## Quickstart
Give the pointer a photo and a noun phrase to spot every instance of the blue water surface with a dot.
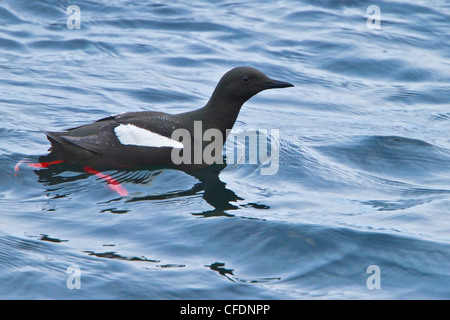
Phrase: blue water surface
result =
(364, 157)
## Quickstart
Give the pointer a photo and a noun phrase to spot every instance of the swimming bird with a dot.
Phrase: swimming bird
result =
(145, 138)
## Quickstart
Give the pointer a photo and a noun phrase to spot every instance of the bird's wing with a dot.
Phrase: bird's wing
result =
(88, 137)
(100, 135)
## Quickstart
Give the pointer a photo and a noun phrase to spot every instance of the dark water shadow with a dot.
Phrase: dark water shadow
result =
(209, 186)
(219, 267)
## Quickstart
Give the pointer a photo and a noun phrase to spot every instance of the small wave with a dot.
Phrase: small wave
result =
(394, 156)
(11, 45)
(81, 44)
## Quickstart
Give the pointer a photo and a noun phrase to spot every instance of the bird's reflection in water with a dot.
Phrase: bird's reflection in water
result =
(209, 186)
(213, 191)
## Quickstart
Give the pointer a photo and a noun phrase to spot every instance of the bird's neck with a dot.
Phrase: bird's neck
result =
(223, 112)
(215, 114)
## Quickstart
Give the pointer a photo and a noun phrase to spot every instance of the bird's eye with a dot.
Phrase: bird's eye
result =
(245, 79)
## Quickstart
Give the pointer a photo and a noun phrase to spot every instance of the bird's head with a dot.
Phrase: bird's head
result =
(242, 83)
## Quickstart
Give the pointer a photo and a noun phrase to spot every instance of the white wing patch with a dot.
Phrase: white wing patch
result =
(129, 134)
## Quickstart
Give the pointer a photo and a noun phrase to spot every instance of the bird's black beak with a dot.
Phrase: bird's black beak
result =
(273, 84)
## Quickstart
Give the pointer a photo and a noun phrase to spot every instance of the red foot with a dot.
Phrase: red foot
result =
(45, 164)
(17, 166)
(36, 165)
(113, 184)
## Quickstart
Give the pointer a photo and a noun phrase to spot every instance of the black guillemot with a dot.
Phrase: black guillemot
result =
(146, 138)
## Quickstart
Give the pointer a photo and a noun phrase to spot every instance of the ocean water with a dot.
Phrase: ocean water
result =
(364, 151)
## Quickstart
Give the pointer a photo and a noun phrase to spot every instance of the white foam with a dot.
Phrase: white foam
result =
(129, 134)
